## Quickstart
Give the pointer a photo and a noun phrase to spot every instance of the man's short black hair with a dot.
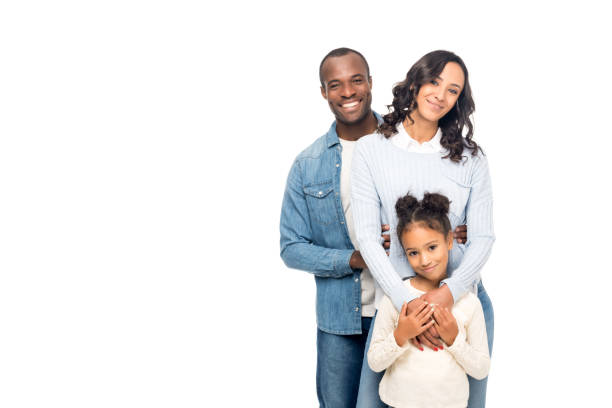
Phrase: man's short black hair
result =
(339, 52)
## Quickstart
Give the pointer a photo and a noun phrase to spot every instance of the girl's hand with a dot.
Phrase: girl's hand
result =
(446, 325)
(413, 324)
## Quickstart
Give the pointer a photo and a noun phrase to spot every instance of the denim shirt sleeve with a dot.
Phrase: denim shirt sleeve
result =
(298, 250)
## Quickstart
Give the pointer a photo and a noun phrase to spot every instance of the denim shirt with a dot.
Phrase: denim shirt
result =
(314, 236)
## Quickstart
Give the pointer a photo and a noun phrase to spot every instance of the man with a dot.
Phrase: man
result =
(317, 232)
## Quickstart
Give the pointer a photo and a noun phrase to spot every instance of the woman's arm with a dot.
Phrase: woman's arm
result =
(479, 217)
(366, 213)
(470, 347)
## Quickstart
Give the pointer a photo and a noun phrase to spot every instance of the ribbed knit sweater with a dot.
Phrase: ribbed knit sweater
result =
(382, 173)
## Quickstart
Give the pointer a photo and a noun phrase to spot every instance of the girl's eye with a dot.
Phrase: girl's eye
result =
(434, 82)
(412, 253)
(454, 91)
(432, 247)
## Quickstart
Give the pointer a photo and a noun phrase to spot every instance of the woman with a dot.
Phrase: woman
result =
(421, 147)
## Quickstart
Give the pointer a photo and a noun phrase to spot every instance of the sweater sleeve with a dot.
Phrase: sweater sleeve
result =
(366, 213)
(470, 348)
(480, 236)
(383, 349)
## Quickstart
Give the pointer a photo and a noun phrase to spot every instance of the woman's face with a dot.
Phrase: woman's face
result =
(436, 98)
(427, 251)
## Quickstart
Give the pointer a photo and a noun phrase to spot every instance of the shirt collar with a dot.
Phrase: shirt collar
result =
(332, 135)
(403, 140)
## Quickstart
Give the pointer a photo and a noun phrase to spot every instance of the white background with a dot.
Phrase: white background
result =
(143, 156)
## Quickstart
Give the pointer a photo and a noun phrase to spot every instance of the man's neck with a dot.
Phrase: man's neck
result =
(356, 130)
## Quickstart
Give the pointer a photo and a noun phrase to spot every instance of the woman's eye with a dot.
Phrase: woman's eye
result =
(434, 82)
(454, 91)
(412, 253)
(432, 247)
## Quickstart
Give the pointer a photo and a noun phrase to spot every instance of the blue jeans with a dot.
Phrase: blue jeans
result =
(339, 360)
(368, 384)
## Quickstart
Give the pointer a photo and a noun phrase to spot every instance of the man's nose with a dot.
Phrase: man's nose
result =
(348, 91)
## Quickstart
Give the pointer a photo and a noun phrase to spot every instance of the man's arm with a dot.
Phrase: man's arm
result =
(297, 248)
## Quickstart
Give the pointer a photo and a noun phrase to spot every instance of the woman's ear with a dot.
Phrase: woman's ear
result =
(449, 240)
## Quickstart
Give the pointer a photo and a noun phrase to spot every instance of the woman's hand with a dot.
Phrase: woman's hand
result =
(446, 325)
(413, 324)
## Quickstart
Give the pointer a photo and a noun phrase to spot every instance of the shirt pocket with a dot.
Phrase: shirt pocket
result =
(321, 203)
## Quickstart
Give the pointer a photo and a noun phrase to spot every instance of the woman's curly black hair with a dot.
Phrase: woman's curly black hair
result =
(432, 211)
(425, 70)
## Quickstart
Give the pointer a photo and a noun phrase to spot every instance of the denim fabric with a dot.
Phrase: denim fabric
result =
(478, 388)
(314, 236)
(368, 385)
(339, 359)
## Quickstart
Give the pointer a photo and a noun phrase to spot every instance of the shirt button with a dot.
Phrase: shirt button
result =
(336, 194)
(342, 222)
(356, 309)
(356, 279)
(320, 193)
(337, 165)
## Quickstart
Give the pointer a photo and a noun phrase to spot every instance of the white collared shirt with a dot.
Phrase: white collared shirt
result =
(403, 140)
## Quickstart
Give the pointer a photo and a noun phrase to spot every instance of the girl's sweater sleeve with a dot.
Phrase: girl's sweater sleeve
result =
(366, 206)
(480, 237)
(383, 349)
(470, 348)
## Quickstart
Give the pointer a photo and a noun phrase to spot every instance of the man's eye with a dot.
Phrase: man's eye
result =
(357, 81)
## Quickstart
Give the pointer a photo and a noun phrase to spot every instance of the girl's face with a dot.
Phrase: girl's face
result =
(436, 98)
(427, 251)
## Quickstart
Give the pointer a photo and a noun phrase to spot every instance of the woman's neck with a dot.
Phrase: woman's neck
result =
(421, 130)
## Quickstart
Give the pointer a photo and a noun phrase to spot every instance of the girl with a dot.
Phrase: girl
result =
(425, 144)
(431, 378)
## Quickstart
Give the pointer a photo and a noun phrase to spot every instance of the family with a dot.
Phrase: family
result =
(393, 216)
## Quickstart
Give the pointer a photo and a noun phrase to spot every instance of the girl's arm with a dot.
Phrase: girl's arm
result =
(470, 347)
(479, 219)
(383, 349)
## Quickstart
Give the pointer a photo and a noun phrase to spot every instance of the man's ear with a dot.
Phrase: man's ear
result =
(323, 93)
(370, 81)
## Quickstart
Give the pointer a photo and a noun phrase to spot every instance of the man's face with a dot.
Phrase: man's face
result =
(347, 88)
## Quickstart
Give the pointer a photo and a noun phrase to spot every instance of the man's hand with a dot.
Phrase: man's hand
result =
(386, 238)
(356, 261)
(460, 234)
(411, 324)
(446, 325)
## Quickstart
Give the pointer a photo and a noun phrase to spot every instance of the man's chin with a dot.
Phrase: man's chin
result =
(352, 120)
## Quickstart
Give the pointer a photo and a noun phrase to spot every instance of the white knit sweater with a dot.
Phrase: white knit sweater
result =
(430, 379)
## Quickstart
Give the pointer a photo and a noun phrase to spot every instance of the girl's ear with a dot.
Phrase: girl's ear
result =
(449, 240)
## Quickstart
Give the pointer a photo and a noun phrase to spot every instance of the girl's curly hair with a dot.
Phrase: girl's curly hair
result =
(425, 70)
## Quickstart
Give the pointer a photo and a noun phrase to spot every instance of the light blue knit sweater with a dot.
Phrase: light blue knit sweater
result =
(381, 173)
